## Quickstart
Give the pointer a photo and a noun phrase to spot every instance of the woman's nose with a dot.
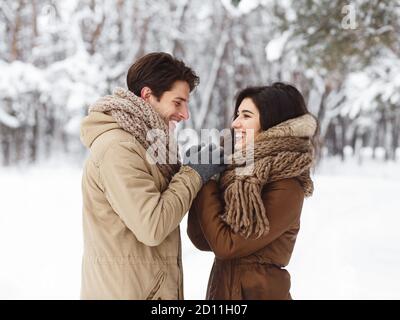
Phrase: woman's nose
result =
(236, 123)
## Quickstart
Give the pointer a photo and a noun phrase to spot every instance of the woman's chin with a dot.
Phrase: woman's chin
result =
(240, 145)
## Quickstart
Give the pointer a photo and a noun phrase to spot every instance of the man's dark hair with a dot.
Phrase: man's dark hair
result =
(159, 71)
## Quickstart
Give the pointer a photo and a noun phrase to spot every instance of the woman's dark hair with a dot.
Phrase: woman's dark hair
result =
(276, 103)
(159, 71)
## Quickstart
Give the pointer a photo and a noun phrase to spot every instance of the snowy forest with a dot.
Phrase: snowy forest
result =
(57, 57)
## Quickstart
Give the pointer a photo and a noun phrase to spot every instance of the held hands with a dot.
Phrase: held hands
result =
(207, 160)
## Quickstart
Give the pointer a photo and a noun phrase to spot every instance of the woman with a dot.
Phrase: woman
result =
(250, 222)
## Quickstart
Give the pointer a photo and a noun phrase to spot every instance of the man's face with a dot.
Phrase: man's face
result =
(173, 104)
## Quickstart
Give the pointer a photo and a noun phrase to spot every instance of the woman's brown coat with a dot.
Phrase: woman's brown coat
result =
(248, 268)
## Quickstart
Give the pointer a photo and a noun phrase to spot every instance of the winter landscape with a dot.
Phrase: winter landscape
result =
(348, 246)
(58, 57)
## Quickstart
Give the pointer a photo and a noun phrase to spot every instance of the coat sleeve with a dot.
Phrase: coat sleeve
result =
(133, 195)
(195, 233)
(283, 201)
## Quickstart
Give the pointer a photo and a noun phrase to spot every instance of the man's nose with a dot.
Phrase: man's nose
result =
(184, 112)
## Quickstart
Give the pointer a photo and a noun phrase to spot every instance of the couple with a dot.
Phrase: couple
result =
(132, 208)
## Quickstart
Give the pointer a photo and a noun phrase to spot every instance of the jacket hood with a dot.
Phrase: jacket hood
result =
(94, 125)
(302, 126)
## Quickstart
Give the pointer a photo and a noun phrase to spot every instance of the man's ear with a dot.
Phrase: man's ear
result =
(145, 93)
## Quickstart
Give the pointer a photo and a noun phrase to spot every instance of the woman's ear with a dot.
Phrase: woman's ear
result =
(145, 93)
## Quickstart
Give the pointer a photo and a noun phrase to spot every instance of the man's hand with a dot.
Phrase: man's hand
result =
(207, 160)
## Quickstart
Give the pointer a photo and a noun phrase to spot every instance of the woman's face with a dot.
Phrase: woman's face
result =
(246, 124)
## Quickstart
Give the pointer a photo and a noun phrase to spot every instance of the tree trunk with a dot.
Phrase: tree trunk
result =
(343, 127)
(212, 78)
(395, 134)
(15, 50)
(35, 138)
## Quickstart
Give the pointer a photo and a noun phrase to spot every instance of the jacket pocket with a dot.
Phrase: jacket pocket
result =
(154, 289)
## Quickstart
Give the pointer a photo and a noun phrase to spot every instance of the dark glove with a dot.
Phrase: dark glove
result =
(207, 160)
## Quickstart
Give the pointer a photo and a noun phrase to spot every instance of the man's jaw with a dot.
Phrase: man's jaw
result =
(172, 123)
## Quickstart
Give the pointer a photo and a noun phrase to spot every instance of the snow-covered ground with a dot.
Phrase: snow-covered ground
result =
(348, 246)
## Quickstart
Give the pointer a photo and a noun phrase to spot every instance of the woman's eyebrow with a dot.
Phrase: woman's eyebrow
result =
(243, 111)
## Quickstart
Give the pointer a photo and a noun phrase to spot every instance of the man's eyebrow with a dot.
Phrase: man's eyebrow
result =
(180, 98)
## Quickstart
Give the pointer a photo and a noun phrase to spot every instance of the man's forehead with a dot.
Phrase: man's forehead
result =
(180, 91)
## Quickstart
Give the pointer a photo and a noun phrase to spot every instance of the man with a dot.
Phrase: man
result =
(132, 207)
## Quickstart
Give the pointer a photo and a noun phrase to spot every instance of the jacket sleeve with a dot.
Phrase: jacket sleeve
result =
(195, 233)
(133, 195)
(283, 201)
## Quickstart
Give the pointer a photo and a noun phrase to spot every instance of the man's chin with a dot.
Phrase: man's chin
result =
(172, 125)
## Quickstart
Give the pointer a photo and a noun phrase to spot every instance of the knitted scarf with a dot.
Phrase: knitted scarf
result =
(283, 151)
(137, 117)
